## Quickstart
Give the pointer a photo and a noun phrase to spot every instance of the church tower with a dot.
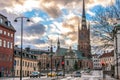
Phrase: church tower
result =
(58, 44)
(84, 35)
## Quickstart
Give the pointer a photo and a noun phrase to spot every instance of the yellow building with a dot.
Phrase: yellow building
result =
(29, 62)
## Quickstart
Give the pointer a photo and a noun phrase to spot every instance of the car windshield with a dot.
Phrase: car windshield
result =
(77, 72)
(35, 72)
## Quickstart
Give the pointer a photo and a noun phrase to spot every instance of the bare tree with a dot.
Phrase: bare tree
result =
(104, 20)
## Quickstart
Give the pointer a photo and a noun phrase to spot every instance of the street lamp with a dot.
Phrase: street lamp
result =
(51, 54)
(116, 32)
(28, 20)
(39, 66)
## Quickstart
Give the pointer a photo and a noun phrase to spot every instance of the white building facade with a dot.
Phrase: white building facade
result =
(96, 61)
(108, 60)
(70, 59)
(117, 50)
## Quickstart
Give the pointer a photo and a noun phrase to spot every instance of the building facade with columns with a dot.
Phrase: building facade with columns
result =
(116, 33)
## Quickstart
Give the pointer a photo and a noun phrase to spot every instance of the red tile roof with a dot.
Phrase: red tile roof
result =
(109, 54)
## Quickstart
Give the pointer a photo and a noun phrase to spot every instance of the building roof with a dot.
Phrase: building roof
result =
(64, 51)
(25, 54)
(37, 51)
(95, 54)
(6, 22)
(109, 54)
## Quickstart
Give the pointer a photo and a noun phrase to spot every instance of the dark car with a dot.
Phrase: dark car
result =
(76, 74)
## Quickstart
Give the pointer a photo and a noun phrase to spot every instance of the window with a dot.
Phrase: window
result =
(8, 34)
(0, 42)
(17, 72)
(11, 46)
(8, 23)
(11, 35)
(4, 43)
(10, 58)
(4, 32)
(8, 44)
(0, 31)
(17, 62)
(23, 63)
(1, 20)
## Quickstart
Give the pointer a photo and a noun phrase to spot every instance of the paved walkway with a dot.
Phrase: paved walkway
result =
(109, 78)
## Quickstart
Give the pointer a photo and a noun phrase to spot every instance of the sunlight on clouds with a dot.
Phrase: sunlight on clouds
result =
(53, 37)
(91, 13)
(68, 42)
(53, 9)
(41, 45)
(17, 43)
(92, 3)
(28, 38)
(26, 6)
(36, 19)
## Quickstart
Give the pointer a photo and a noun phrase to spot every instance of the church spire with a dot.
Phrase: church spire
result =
(58, 43)
(83, 17)
(78, 33)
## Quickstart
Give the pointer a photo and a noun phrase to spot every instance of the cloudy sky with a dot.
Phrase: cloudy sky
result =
(50, 19)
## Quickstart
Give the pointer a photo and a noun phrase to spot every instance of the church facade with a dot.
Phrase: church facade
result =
(83, 53)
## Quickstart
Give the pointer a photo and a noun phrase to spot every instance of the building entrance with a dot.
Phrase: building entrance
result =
(0, 74)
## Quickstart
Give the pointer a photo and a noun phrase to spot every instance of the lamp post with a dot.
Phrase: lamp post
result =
(116, 32)
(39, 66)
(51, 54)
(16, 19)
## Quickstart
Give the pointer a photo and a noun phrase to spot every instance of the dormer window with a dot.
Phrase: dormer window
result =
(1, 20)
(8, 23)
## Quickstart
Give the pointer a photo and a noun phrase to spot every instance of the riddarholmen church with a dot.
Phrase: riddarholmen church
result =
(83, 54)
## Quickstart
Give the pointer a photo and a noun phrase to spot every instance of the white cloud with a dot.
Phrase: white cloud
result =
(91, 13)
(36, 19)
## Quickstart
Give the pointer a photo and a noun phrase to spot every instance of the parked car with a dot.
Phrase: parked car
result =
(53, 74)
(87, 71)
(36, 74)
(76, 74)
(60, 74)
(42, 74)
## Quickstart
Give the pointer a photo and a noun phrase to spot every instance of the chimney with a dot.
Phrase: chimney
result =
(27, 49)
(16, 46)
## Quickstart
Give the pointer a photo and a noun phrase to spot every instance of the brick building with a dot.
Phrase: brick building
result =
(6, 46)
